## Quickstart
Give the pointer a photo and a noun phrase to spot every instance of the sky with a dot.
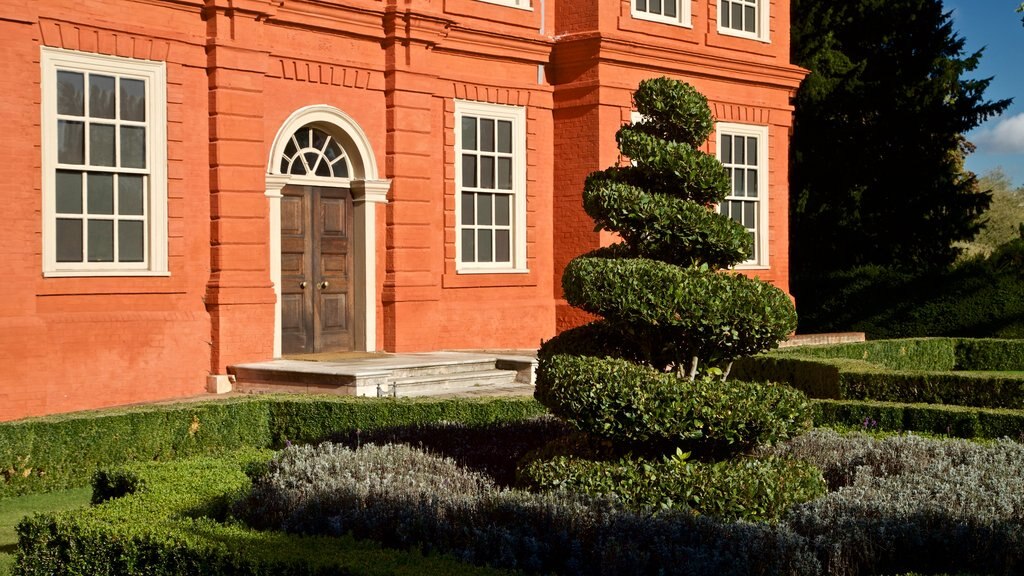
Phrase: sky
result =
(996, 26)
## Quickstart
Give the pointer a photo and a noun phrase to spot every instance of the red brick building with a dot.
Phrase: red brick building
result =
(198, 183)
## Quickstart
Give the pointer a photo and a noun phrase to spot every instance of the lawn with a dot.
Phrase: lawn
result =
(12, 510)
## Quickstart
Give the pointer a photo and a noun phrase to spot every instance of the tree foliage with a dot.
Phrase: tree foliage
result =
(877, 153)
(1004, 217)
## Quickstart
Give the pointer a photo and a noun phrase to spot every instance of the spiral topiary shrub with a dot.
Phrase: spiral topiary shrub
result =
(650, 377)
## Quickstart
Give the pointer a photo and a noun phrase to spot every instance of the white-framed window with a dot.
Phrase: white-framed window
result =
(743, 150)
(104, 146)
(745, 18)
(675, 12)
(490, 185)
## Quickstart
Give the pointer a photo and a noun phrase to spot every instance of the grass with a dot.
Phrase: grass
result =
(12, 510)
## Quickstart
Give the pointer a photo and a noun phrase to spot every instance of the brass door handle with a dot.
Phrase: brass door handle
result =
(302, 284)
(324, 284)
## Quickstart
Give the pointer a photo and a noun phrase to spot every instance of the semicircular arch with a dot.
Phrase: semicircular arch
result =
(335, 123)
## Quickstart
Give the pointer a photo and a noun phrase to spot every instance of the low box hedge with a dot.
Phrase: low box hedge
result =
(168, 520)
(868, 371)
(57, 452)
(957, 421)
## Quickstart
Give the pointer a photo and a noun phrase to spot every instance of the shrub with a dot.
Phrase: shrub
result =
(907, 503)
(820, 374)
(742, 488)
(652, 412)
(666, 304)
(989, 354)
(56, 452)
(957, 421)
(168, 522)
(427, 502)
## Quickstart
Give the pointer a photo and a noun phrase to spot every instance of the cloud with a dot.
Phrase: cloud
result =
(1006, 137)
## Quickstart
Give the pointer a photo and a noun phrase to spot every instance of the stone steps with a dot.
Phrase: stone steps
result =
(424, 374)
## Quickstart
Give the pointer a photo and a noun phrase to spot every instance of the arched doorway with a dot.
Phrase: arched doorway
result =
(323, 186)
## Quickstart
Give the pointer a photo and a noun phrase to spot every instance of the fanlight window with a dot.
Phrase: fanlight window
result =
(313, 152)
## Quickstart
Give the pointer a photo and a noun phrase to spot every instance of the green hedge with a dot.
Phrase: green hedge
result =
(933, 354)
(169, 521)
(958, 421)
(56, 452)
(913, 370)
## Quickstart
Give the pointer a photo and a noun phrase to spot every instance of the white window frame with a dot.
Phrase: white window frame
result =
(517, 115)
(682, 18)
(761, 20)
(760, 259)
(519, 4)
(154, 198)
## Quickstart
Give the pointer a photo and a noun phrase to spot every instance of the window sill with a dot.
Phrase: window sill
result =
(488, 278)
(104, 273)
(646, 17)
(526, 7)
(744, 35)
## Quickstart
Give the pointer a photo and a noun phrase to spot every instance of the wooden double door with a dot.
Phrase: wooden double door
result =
(316, 270)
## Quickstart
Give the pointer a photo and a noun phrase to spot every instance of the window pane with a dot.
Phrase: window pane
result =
(740, 149)
(70, 94)
(487, 172)
(483, 209)
(101, 96)
(468, 133)
(302, 137)
(469, 170)
(485, 250)
(101, 241)
(340, 168)
(310, 158)
(749, 214)
(319, 138)
(130, 244)
(738, 182)
(504, 136)
(70, 142)
(750, 20)
(752, 183)
(726, 152)
(101, 194)
(129, 195)
(501, 209)
(502, 246)
(753, 246)
(468, 245)
(655, 6)
(723, 14)
(323, 168)
(751, 150)
(133, 100)
(69, 192)
(487, 134)
(505, 173)
(332, 151)
(670, 8)
(737, 17)
(69, 240)
(736, 211)
(641, 5)
(467, 208)
(101, 145)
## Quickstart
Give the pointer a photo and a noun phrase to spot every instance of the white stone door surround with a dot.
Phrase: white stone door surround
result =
(368, 190)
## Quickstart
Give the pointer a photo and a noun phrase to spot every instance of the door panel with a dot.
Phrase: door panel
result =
(334, 224)
(316, 264)
(296, 264)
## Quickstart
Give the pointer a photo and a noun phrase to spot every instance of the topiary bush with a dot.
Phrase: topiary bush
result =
(650, 377)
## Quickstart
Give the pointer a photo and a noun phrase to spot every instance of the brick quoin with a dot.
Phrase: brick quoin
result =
(237, 71)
